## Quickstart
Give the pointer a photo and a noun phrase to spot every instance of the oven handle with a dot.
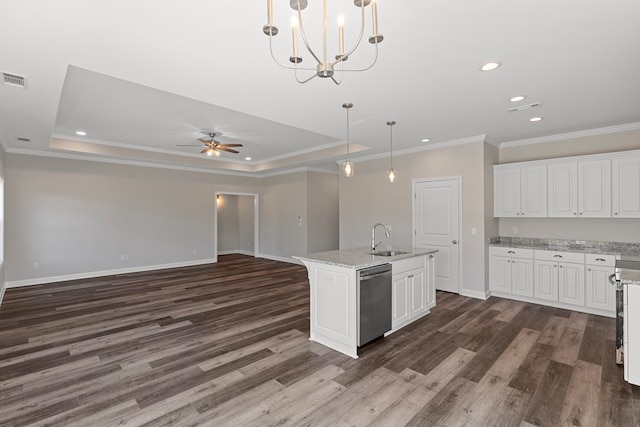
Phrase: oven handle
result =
(612, 279)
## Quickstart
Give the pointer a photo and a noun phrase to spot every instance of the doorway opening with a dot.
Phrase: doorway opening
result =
(236, 220)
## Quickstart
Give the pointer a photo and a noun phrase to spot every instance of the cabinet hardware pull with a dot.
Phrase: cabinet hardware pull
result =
(510, 252)
(615, 213)
(430, 256)
(575, 213)
(580, 213)
(558, 256)
(561, 267)
(600, 259)
(589, 269)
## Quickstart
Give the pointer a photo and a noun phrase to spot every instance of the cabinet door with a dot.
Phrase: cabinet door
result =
(429, 277)
(563, 190)
(599, 292)
(626, 187)
(522, 277)
(594, 189)
(545, 280)
(506, 192)
(571, 283)
(500, 274)
(533, 191)
(400, 300)
(418, 300)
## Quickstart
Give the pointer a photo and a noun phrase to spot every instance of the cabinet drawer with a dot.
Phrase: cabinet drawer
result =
(606, 260)
(512, 252)
(407, 264)
(559, 256)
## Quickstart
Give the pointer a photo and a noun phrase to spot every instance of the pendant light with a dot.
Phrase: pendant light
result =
(347, 167)
(392, 173)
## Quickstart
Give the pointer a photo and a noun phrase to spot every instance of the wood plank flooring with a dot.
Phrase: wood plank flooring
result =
(227, 345)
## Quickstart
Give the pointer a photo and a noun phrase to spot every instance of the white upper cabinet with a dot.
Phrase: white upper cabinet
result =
(563, 190)
(591, 186)
(520, 192)
(594, 189)
(626, 187)
(580, 189)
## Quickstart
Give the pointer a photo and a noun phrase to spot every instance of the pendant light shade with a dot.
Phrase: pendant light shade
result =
(347, 167)
(392, 173)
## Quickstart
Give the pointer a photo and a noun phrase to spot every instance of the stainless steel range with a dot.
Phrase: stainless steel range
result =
(618, 280)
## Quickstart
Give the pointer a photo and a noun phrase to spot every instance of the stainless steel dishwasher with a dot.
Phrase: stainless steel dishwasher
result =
(374, 308)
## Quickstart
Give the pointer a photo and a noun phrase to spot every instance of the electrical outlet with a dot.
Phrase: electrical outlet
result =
(515, 230)
(195, 251)
(390, 228)
(122, 258)
(36, 265)
(474, 231)
(127, 257)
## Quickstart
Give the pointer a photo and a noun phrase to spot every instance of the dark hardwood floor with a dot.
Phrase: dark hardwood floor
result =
(227, 345)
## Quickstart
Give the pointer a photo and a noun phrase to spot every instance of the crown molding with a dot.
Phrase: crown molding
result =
(570, 135)
(426, 147)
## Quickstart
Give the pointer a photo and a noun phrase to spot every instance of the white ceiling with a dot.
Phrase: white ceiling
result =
(142, 76)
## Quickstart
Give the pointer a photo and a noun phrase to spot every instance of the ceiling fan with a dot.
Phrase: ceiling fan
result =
(212, 146)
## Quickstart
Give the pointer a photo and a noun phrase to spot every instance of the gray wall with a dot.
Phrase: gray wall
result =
(569, 228)
(73, 217)
(246, 228)
(368, 197)
(323, 212)
(228, 223)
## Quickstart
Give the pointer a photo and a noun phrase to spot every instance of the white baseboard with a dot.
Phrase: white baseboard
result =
(239, 251)
(475, 294)
(279, 258)
(2, 289)
(556, 304)
(91, 274)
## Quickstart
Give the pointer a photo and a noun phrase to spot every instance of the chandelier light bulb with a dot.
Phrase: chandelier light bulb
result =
(392, 176)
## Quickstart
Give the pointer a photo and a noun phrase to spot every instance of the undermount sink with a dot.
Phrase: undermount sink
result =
(388, 253)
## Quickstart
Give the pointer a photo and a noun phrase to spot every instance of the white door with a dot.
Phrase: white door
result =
(436, 220)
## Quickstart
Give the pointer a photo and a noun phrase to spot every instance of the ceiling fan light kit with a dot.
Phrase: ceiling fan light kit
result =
(212, 147)
(324, 68)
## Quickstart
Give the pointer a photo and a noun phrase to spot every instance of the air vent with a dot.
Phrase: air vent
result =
(14, 80)
(23, 139)
(525, 107)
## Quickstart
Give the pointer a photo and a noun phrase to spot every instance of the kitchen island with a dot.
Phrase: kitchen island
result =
(334, 292)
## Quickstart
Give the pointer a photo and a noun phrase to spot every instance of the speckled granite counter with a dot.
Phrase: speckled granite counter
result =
(630, 251)
(358, 258)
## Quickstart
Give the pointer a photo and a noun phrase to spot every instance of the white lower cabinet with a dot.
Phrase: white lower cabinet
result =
(413, 292)
(561, 279)
(632, 334)
(600, 294)
(512, 271)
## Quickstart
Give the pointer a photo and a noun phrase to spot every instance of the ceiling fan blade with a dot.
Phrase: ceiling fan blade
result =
(231, 145)
(205, 150)
(229, 150)
(188, 145)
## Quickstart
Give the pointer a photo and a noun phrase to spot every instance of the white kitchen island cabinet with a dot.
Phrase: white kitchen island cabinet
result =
(632, 333)
(334, 292)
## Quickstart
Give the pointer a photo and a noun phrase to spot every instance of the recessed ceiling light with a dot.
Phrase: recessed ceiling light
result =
(81, 132)
(490, 66)
(247, 158)
(535, 119)
(425, 140)
(518, 98)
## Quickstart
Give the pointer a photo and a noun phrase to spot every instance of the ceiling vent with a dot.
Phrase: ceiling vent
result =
(23, 139)
(525, 107)
(14, 80)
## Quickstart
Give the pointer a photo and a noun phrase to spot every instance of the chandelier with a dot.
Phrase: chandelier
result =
(325, 67)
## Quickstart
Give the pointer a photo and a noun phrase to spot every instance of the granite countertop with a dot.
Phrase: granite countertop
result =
(358, 258)
(629, 251)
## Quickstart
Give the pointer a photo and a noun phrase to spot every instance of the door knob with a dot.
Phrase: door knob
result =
(455, 242)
